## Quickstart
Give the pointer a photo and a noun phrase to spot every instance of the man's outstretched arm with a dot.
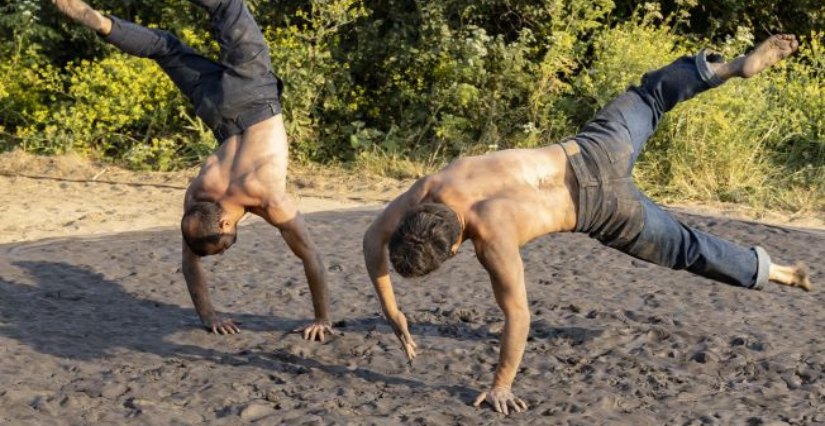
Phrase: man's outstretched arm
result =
(198, 290)
(285, 216)
(378, 266)
(375, 257)
(503, 262)
(297, 238)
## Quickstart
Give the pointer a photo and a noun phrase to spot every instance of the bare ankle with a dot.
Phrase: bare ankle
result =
(728, 70)
(105, 26)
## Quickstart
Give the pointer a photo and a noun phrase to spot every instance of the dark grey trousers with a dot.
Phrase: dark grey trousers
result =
(229, 95)
(614, 211)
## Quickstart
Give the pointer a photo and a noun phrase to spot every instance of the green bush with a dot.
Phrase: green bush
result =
(406, 81)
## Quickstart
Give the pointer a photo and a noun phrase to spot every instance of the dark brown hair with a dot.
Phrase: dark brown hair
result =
(206, 230)
(423, 239)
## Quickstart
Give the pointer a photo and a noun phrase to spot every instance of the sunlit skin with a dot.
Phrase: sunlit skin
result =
(504, 200)
(246, 174)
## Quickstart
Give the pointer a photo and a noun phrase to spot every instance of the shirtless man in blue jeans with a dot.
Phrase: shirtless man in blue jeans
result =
(238, 97)
(503, 200)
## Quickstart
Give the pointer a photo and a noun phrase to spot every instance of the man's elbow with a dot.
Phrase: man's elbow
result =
(369, 237)
(370, 244)
(519, 315)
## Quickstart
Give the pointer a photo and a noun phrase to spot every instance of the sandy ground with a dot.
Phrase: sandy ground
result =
(96, 326)
(59, 197)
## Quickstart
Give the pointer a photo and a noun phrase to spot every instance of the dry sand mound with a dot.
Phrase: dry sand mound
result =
(101, 331)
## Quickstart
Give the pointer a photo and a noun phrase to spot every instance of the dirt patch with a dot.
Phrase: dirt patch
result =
(64, 196)
(101, 331)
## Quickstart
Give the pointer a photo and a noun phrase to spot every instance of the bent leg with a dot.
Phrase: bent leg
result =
(667, 242)
(631, 118)
(181, 63)
(243, 47)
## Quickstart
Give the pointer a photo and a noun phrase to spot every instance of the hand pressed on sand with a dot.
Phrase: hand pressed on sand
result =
(501, 399)
(219, 326)
(316, 329)
(398, 322)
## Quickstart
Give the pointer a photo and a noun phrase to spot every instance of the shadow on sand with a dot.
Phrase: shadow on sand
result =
(75, 313)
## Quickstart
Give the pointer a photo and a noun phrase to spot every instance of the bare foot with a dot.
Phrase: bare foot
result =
(767, 54)
(83, 14)
(801, 277)
(791, 276)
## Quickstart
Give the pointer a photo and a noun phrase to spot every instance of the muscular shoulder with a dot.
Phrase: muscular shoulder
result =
(386, 222)
(208, 185)
(505, 219)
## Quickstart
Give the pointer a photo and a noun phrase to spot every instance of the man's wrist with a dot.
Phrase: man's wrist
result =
(390, 314)
(208, 319)
(499, 384)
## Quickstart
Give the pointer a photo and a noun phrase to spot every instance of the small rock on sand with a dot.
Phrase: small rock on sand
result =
(113, 390)
(255, 411)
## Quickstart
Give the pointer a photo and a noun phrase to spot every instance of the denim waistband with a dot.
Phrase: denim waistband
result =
(245, 120)
(585, 180)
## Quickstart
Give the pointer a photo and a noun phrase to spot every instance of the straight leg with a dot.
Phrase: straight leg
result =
(667, 242)
(248, 92)
(626, 123)
(635, 225)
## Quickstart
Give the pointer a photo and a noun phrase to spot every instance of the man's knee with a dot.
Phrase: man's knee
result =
(166, 44)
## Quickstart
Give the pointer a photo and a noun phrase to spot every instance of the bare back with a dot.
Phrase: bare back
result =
(533, 189)
(248, 170)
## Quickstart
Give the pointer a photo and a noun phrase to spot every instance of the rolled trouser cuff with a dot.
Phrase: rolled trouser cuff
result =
(706, 72)
(124, 37)
(117, 36)
(763, 266)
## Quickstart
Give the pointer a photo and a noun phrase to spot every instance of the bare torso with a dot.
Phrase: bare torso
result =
(248, 171)
(535, 189)
(503, 200)
(248, 174)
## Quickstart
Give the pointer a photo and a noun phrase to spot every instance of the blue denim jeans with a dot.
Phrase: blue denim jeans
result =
(229, 95)
(611, 208)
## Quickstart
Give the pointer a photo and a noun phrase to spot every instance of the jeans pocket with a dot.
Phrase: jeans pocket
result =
(631, 220)
(620, 155)
(627, 217)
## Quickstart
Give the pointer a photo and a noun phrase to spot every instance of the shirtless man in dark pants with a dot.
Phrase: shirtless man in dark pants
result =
(503, 200)
(238, 98)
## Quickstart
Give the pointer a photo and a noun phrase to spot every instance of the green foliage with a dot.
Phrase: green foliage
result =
(758, 141)
(318, 87)
(420, 82)
(720, 18)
